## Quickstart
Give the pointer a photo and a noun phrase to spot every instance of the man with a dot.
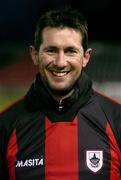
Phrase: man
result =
(62, 129)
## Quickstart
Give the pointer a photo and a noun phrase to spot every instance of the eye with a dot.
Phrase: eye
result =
(50, 51)
(71, 51)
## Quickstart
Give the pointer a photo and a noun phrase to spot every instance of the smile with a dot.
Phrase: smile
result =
(59, 74)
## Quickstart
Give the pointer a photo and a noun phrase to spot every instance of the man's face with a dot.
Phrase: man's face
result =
(61, 58)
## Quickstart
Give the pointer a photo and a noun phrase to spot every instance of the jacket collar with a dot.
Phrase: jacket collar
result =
(39, 97)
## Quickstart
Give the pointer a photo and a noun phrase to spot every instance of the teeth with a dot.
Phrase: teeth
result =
(59, 74)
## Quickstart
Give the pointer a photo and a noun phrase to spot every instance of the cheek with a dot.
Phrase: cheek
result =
(78, 63)
(44, 60)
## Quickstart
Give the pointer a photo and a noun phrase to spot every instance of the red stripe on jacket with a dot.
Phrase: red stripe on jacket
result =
(115, 155)
(61, 150)
(12, 150)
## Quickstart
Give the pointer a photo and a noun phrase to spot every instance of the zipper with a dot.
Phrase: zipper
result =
(60, 107)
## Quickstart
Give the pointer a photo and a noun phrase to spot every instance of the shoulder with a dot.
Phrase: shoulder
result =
(9, 115)
(111, 108)
(107, 102)
(112, 111)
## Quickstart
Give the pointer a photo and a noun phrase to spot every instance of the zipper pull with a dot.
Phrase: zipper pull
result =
(60, 105)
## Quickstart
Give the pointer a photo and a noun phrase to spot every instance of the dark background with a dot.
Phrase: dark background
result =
(18, 18)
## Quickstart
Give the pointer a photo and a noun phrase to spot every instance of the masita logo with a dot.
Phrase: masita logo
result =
(29, 162)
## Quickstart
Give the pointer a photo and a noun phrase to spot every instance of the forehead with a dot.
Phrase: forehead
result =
(61, 35)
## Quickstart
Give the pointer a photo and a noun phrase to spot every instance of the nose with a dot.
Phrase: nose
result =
(60, 60)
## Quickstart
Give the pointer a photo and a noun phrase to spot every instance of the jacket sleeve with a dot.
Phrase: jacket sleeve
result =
(3, 165)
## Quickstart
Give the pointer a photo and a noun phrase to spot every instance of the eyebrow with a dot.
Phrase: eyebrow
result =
(66, 48)
(50, 47)
(72, 47)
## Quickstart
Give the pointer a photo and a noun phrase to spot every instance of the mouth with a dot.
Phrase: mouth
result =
(59, 74)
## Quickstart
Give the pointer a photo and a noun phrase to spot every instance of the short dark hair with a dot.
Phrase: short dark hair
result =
(67, 17)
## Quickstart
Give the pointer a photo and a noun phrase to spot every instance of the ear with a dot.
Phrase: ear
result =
(86, 58)
(34, 55)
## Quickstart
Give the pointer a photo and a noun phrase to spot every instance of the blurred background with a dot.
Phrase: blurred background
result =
(17, 25)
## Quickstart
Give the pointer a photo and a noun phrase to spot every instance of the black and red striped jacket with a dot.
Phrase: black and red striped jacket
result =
(76, 139)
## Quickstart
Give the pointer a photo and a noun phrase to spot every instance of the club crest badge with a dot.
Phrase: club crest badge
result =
(94, 160)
